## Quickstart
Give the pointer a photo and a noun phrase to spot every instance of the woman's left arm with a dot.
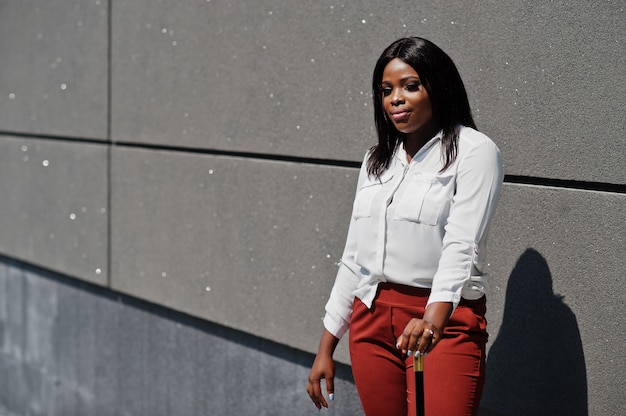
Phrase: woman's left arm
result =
(478, 182)
(477, 188)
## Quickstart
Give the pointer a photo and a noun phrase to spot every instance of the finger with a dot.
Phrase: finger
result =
(330, 388)
(320, 397)
(427, 340)
(401, 343)
(322, 400)
(415, 339)
(434, 341)
(315, 393)
(404, 341)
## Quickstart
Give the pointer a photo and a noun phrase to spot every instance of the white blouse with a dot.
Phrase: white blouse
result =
(420, 227)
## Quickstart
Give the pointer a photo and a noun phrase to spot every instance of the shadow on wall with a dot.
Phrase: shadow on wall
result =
(536, 365)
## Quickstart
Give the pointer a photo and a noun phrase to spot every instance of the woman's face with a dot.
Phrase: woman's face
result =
(406, 101)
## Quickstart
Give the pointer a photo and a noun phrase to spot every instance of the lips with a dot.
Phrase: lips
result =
(400, 115)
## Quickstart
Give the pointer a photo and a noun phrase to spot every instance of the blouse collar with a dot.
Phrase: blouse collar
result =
(401, 154)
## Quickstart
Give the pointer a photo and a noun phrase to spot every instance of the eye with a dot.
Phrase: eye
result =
(386, 91)
(413, 86)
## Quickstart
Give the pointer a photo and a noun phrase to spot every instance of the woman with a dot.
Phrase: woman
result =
(411, 278)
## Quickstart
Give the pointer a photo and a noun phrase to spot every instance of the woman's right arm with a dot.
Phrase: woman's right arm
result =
(338, 312)
(336, 323)
(339, 305)
(323, 368)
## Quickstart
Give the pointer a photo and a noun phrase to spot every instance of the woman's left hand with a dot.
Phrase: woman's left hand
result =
(418, 335)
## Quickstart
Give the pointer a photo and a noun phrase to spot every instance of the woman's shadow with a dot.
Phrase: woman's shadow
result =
(536, 365)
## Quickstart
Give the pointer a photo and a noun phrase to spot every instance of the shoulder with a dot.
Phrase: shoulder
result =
(477, 152)
(471, 140)
(363, 171)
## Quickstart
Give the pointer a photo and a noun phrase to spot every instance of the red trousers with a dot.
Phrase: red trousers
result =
(454, 372)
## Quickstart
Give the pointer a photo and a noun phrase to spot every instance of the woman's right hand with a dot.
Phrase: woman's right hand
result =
(323, 368)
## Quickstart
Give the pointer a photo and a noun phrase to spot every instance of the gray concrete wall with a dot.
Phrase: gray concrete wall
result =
(176, 180)
(72, 348)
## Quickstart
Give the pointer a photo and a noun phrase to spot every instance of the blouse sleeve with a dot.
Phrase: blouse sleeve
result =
(479, 179)
(339, 305)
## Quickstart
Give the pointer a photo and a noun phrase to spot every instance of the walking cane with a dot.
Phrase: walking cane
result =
(418, 368)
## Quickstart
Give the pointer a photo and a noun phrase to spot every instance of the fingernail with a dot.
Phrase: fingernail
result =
(331, 396)
(409, 353)
(398, 346)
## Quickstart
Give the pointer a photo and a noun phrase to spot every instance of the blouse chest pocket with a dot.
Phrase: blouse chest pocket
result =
(367, 193)
(425, 198)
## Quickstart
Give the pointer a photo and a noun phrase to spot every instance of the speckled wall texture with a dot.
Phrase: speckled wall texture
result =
(198, 159)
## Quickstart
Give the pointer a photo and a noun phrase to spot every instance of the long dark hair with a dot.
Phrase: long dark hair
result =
(447, 95)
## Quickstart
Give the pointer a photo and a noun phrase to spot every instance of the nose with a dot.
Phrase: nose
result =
(396, 97)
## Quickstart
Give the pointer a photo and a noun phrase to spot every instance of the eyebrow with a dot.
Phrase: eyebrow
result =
(405, 79)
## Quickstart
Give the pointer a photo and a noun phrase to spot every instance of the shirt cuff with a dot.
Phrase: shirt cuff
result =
(452, 297)
(337, 327)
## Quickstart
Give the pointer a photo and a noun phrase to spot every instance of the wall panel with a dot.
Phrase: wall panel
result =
(278, 78)
(540, 76)
(558, 265)
(267, 77)
(54, 205)
(53, 77)
(68, 348)
(246, 243)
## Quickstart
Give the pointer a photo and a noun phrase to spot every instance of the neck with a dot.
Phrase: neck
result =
(413, 142)
(412, 146)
